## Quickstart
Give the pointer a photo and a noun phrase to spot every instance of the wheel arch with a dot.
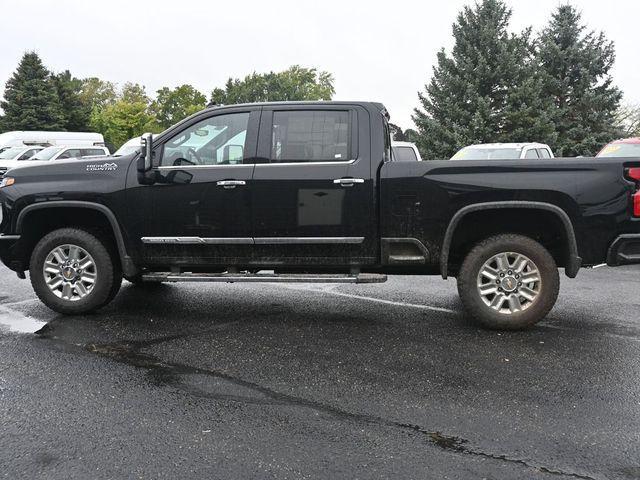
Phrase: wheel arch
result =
(574, 261)
(128, 266)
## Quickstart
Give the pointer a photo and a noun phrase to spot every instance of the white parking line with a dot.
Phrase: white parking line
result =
(330, 290)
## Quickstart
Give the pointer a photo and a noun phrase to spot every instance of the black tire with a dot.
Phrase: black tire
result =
(535, 310)
(106, 279)
(117, 277)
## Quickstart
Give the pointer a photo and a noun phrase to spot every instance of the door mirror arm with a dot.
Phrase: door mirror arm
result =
(146, 172)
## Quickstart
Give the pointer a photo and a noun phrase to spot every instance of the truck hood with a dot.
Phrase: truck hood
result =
(79, 167)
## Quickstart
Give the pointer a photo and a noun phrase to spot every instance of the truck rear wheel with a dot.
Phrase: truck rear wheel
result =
(72, 271)
(508, 282)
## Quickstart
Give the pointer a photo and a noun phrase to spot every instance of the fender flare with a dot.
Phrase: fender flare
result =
(128, 267)
(574, 261)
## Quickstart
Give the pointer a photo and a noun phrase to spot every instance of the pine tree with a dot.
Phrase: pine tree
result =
(487, 90)
(30, 98)
(75, 110)
(576, 66)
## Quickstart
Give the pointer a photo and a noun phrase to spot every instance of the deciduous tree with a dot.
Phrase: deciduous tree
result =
(172, 105)
(295, 83)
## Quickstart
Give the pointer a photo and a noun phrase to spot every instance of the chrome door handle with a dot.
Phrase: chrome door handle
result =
(230, 183)
(348, 182)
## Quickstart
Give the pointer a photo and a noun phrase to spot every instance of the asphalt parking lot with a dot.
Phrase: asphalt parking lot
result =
(309, 381)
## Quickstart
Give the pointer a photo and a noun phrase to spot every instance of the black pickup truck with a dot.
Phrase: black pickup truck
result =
(308, 192)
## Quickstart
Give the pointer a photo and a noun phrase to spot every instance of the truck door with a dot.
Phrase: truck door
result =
(312, 192)
(199, 210)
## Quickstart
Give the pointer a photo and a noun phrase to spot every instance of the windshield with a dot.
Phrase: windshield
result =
(11, 153)
(46, 154)
(126, 150)
(475, 153)
(620, 150)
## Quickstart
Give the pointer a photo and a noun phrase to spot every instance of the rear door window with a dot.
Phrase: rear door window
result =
(310, 136)
(531, 153)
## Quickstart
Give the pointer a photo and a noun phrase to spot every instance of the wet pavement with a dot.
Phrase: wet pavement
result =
(306, 381)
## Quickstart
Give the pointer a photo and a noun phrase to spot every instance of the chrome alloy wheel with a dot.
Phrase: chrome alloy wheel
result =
(70, 272)
(509, 282)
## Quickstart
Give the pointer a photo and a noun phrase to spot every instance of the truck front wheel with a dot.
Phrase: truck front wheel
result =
(72, 271)
(508, 282)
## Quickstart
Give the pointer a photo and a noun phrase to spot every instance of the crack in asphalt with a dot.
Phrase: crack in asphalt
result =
(173, 374)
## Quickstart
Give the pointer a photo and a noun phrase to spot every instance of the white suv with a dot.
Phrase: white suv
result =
(70, 151)
(504, 151)
(9, 157)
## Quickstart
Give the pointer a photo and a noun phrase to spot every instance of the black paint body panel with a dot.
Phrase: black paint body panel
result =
(395, 201)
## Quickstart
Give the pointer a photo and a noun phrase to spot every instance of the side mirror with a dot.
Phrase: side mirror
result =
(146, 175)
(145, 158)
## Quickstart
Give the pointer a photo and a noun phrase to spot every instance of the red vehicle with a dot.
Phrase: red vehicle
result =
(625, 147)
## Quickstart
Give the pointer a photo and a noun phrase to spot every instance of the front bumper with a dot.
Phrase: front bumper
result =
(625, 250)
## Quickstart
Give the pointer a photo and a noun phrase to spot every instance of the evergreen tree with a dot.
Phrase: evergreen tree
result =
(487, 90)
(75, 110)
(576, 66)
(30, 98)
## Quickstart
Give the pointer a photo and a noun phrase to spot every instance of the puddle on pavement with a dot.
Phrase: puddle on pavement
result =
(17, 322)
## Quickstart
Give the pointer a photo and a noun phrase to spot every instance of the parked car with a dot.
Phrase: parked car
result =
(130, 146)
(47, 139)
(70, 151)
(626, 147)
(312, 195)
(405, 152)
(503, 151)
(9, 158)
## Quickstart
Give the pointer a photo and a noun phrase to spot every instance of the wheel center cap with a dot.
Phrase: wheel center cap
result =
(69, 273)
(509, 284)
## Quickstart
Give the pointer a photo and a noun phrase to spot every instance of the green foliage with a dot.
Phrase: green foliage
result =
(97, 93)
(120, 117)
(30, 98)
(399, 135)
(75, 110)
(134, 93)
(122, 120)
(172, 105)
(576, 70)
(487, 90)
(295, 83)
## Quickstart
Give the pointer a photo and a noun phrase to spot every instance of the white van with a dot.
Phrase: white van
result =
(47, 139)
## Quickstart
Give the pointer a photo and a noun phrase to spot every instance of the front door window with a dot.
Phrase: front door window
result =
(218, 140)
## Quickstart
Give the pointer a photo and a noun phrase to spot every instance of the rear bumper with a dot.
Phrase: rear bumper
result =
(625, 250)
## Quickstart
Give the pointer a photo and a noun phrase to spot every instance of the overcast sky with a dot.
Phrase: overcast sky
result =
(382, 51)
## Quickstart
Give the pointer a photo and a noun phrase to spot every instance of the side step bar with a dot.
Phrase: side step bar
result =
(264, 277)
